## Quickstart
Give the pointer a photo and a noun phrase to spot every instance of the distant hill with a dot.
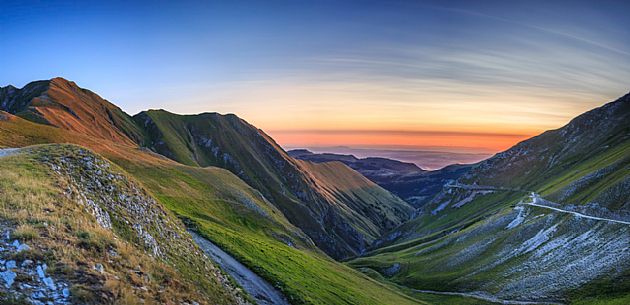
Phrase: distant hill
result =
(373, 165)
(409, 182)
(427, 158)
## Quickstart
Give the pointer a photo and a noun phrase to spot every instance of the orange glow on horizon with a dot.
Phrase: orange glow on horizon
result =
(420, 114)
(486, 143)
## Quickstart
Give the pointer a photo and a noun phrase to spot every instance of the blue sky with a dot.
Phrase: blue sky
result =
(420, 66)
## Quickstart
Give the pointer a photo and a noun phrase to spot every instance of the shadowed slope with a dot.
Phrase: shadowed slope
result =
(530, 163)
(342, 221)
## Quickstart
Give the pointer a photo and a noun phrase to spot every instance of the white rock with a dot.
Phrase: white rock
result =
(23, 247)
(8, 277)
(99, 268)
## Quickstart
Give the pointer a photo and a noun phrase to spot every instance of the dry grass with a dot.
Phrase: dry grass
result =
(62, 234)
(25, 232)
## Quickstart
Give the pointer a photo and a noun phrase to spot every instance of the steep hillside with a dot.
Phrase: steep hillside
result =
(224, 209)
(342, 221)
(405, 180)
(62, 103)
(533, 162)
(548, 219)
(79, 230)
(341, 229)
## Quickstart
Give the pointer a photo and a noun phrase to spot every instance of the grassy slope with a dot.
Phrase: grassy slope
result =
(605, 291)
(329, 204)
(304, 274)
(68, 239)
(425, 271)
(363, 200)
(206, 197)
(226, 141)
(536, 161)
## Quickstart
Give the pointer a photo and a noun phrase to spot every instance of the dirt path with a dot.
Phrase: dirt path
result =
(479, 295)
(257, 287)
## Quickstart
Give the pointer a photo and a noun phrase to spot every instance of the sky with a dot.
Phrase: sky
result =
(472, 76)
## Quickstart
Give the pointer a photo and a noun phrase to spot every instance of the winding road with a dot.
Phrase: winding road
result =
(536, 199)
(262, 291)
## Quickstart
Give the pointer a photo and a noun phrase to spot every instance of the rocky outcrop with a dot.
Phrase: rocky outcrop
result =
(121, 205)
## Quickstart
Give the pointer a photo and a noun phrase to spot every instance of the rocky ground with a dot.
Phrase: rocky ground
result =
(24, 276)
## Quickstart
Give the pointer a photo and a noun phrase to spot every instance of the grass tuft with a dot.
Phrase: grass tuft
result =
(25, 232)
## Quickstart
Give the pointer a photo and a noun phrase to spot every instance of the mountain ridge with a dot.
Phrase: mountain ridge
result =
(224, 209)
(228, 141)
(61, 103)
(341, 228)
(507, 228)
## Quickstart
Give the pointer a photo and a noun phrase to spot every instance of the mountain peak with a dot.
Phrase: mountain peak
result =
(60, 81)
(62, 103)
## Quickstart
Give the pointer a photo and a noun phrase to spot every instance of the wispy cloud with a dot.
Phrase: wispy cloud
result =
(551, 31)
(401, 72)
